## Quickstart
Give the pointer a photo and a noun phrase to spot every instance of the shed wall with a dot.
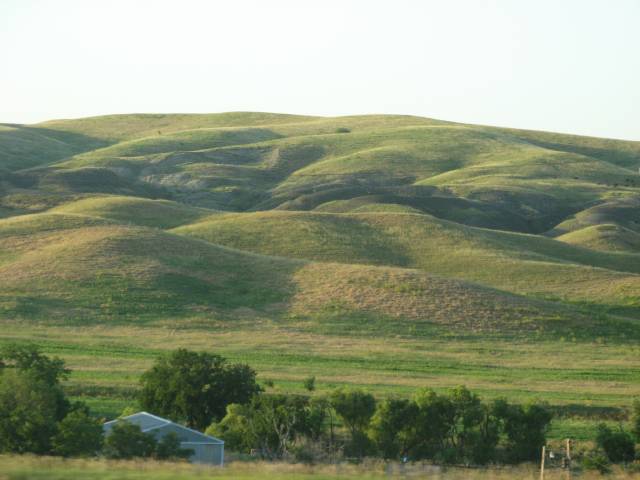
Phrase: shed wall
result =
(208, 453)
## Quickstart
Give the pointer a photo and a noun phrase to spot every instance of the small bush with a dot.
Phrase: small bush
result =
(168, 448)
(78, 435)
(342, 130)
(126, 441)
(618, 445)
(595, 461)
(310, 383)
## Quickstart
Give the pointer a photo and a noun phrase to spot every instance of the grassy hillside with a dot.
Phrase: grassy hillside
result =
(520, 263)
(77, 268)
(392, 252)
(134, 210)
(605, 237)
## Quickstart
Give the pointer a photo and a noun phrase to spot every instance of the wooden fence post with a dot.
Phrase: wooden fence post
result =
(544, 451)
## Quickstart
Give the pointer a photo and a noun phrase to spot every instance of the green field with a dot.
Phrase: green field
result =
(390, 252)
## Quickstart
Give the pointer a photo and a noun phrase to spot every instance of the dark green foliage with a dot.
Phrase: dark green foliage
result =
(270, 424)
(455, 428)
(393, 427)
(618, 445)
(433, 426)
(126, 441)
(359, 445)
(28, 412)
(525, 427)
(35, 415)
(342, 130)
(310, 383)
(50, 371)
(28, 357)
(195, 387)
(596, 461)
(238, 428)
(78, 435)
(486, 437)
(168, 448)
(355, 408)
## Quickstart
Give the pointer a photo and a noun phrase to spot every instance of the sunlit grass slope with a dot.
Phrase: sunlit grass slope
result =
(519, 263)
(605, 237)
(474, 175)
(74, 268)
(136, 211)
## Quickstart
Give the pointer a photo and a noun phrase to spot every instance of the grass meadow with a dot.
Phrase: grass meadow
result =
(47, 468)
(584, 383)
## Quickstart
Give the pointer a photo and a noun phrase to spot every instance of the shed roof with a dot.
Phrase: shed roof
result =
(149, 422)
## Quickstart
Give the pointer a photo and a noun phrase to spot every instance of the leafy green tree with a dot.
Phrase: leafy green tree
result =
(313, 424)
(355, 408)
(168, 448)
(50, 371)
(526, 427)
(196, 387)
(392, 427)
(434, 423)
(484, 442)
(78, 435)
(126, 441)
(617, 445)
(456, 427)
(468, 413)
(29, 357)
(28, 412)
(270, 424)
(238, 429)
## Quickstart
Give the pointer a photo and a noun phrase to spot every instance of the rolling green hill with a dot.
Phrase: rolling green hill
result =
(387, 251)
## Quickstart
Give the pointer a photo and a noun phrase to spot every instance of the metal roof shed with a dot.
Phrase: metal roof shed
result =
(206, 449)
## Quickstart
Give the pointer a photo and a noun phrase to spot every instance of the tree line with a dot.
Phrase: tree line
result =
(206, 392)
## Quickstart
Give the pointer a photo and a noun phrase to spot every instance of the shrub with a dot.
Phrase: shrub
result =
(270, 424)
(126, 441)
(392, 427)
(526, 428)
(595, 461)
(618, 445)
(49, 371)
(168, 448)
(343, 130)
(310, 383)
(28, 411)
(78, 435)
(355, 408)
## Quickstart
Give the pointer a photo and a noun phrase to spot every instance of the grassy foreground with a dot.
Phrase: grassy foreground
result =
(47, 468)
